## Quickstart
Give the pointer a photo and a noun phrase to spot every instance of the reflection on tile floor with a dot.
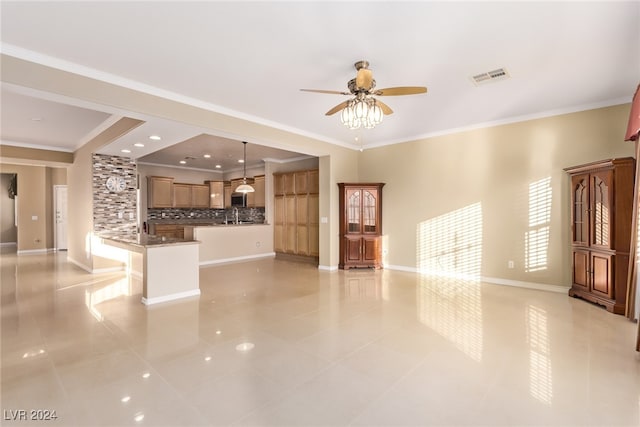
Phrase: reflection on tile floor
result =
(279, 343)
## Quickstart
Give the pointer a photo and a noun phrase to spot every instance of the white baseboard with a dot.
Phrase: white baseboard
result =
(328, 267)
(33, 251)
(8, 244)
(79, 264)
(171, 297)
(491, 280)
(95, 270)
(527, 285)
(401, 268)
(237, 259)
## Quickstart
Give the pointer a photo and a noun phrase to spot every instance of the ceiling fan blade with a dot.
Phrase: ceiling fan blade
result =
(403, 90)
(337, 108)
(364, 78)
(331, 92)
(384, 107)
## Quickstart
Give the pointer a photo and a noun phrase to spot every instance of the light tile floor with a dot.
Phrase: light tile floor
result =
(329, 348)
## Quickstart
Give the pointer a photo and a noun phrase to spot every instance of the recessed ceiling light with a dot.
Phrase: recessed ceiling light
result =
(36, 119)
(240, 161)
(207, 156)
(138, 144)
(155, 137)
(124, 150)
(218, 166)
(183, 162)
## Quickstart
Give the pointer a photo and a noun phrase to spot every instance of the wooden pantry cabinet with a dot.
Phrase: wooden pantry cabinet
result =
(296, 213)
(360, 207)
(601, 218)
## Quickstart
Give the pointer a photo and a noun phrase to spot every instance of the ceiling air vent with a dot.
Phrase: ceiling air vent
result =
(490, 76)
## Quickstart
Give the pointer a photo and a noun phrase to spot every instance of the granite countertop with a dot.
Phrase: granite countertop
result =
(145, 241)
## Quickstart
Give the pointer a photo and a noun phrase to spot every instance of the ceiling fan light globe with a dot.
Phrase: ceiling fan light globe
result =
(347, 115)
(353, 124)
(361, 109)
(375, 114)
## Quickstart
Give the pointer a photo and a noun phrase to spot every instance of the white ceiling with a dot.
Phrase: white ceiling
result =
(250, 59)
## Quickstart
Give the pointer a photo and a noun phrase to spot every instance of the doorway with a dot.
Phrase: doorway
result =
(8, 224)
(60, 217)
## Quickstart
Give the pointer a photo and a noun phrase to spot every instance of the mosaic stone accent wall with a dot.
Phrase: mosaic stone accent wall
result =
(114, 213)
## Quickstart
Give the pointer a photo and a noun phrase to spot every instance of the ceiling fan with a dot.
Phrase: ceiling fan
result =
(364, 109)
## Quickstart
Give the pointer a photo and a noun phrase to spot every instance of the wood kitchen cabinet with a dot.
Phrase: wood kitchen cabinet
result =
(200, 196)
(227, 194)
(296, 213)
(190, 196)
(601, 218)
(181, 195)
(175, 231)
(159, 192)
(256, 199)
(360, 207)
(216, 194)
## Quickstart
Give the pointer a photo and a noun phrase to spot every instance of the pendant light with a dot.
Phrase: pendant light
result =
(244, 187)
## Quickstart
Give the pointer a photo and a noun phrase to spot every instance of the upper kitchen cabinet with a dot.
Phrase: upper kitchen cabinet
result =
(200, 196)
(256, 199)
(159, 192)
(181, 195)
(216, 194)
(190, 196)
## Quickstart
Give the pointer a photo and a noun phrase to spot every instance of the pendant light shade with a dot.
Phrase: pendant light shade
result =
(244, 187)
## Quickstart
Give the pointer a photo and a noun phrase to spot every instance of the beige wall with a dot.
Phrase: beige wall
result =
(468, 201)
(35, 204)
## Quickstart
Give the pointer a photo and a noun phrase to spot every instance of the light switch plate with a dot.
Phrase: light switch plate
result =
(324, 220)
(34, 217)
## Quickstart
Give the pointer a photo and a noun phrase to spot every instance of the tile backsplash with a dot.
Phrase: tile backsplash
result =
(217, 215)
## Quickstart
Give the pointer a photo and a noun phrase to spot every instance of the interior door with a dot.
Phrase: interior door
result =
(60, 217)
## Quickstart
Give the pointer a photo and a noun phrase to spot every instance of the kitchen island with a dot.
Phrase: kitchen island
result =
(226, 243)
(170, 267)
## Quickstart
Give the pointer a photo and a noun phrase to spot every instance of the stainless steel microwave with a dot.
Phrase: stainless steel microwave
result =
(239, 200)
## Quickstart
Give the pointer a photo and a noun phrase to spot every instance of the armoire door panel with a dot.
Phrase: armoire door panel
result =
(601, 274)
(601, 203)
(371, 248)
(581, 268)
(354, 249)
(580, 209)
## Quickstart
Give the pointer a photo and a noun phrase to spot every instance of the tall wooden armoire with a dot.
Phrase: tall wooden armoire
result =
(601, 213)
(360, 225)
